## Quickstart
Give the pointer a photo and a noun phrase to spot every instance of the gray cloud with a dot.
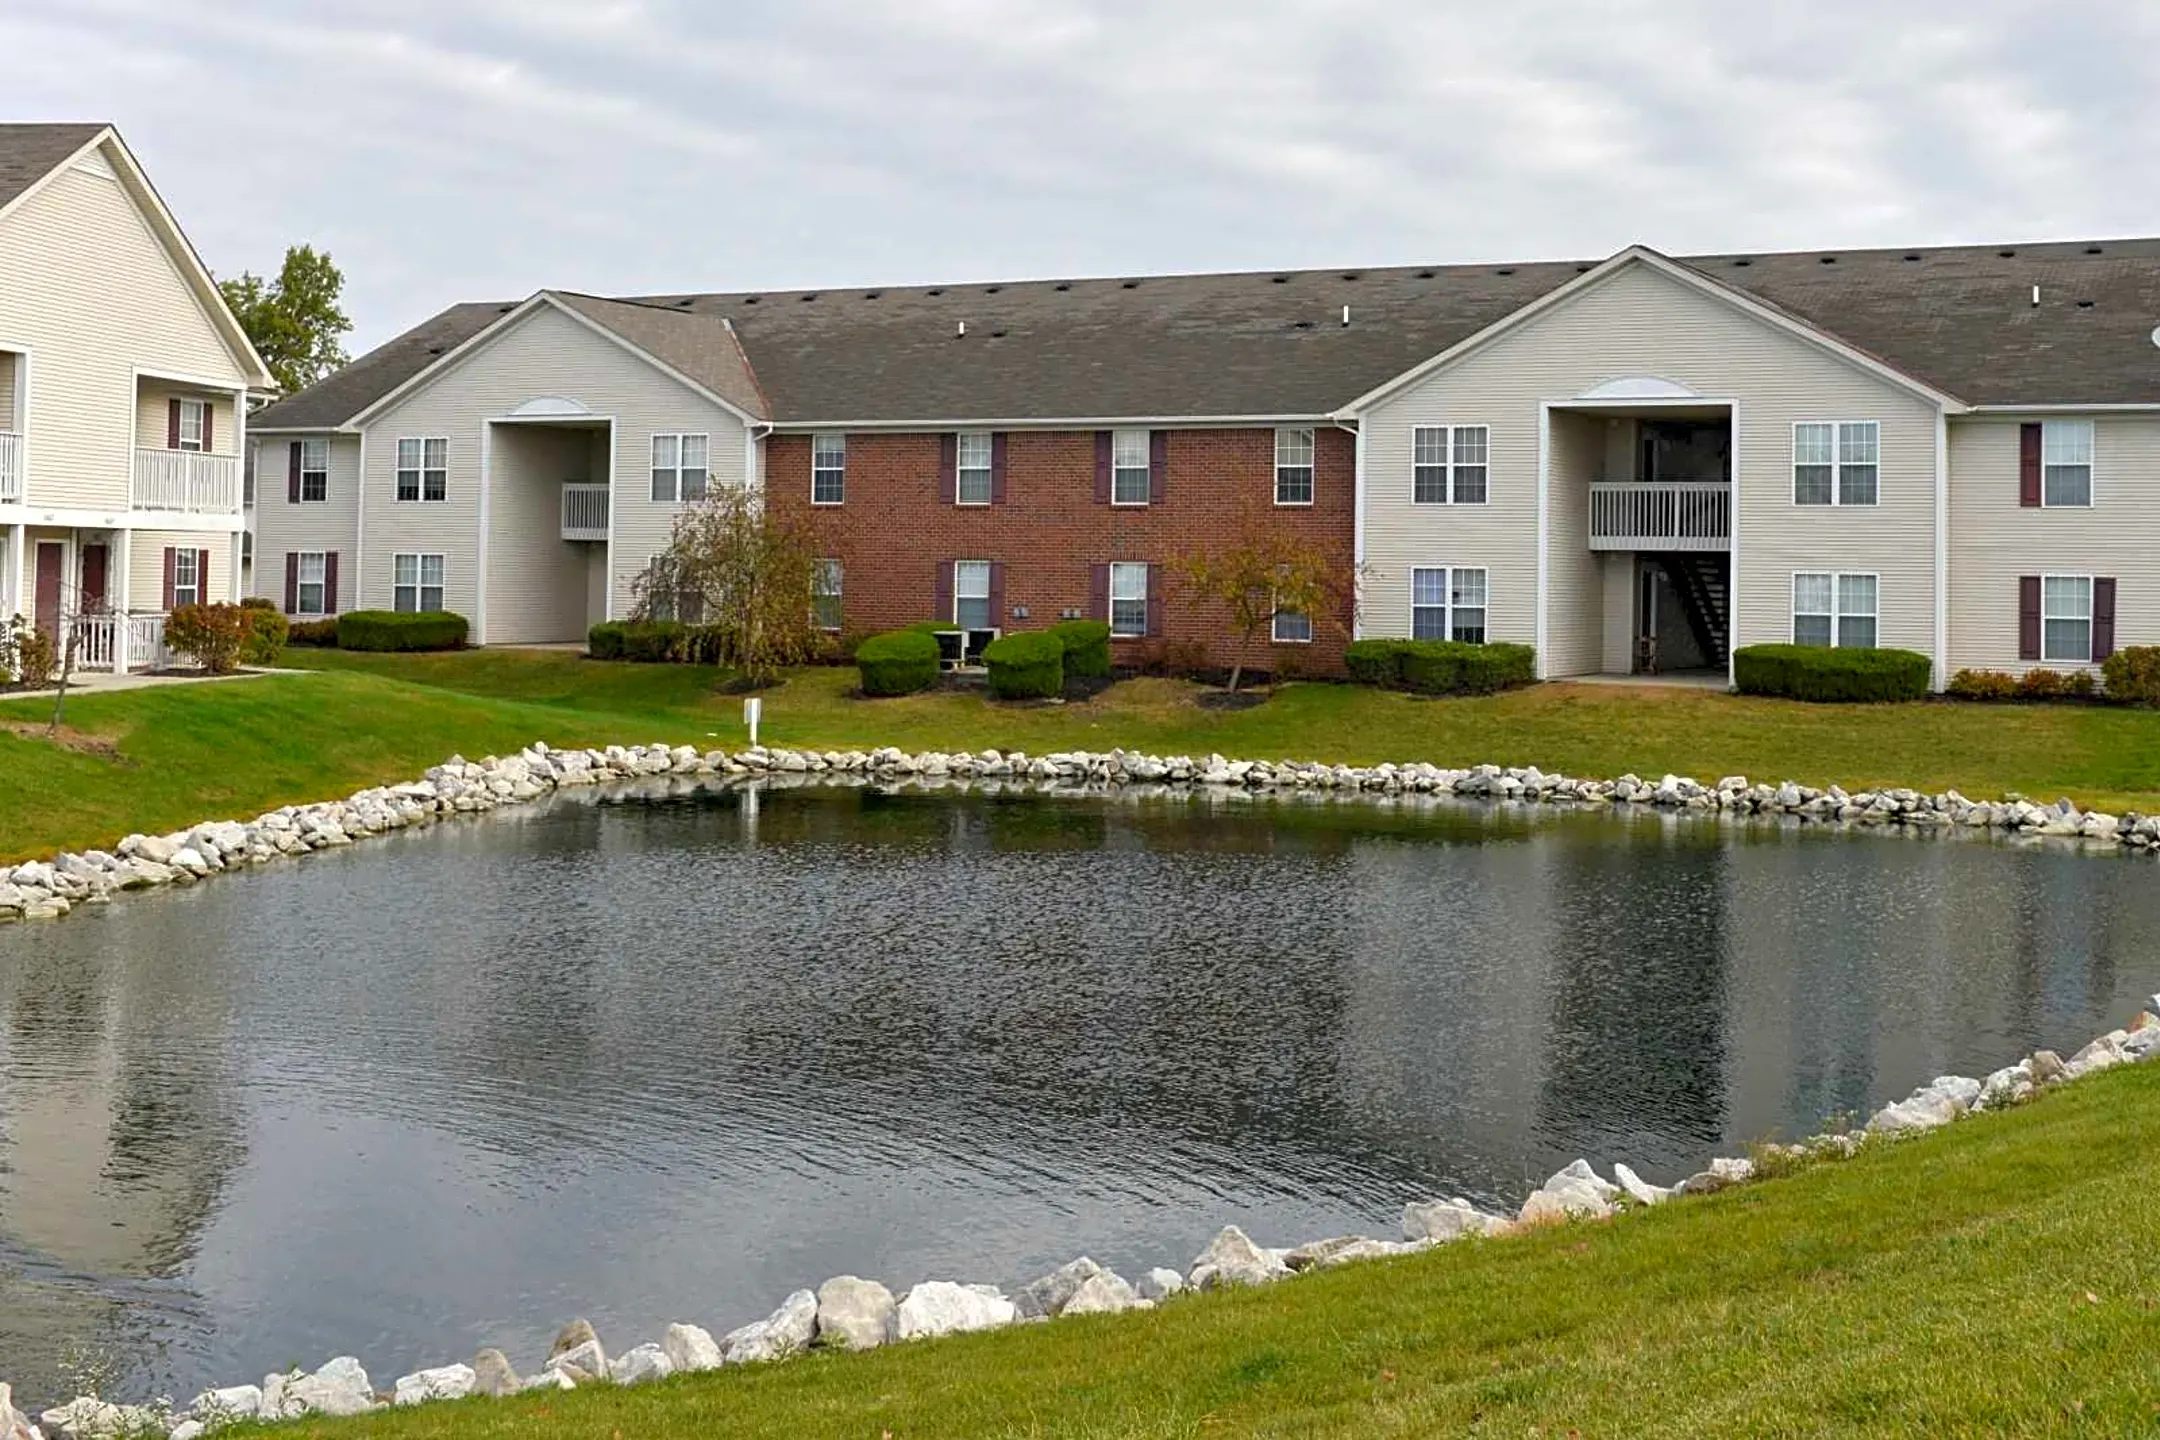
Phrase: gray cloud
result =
(483, 149)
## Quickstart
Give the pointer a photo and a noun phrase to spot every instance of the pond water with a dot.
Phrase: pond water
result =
(656, 1057)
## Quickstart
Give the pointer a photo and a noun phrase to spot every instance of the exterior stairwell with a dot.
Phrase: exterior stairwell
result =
(1700, 582)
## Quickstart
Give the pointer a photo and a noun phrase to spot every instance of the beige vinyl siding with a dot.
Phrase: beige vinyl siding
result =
(1575, 613)
(283, 528)
(1618, 578)
(1641, 322)
(88, 287)
(1994, 539)
(545, 354)
(9, 370)
(152, 416)
(537, 581)
(146, 556)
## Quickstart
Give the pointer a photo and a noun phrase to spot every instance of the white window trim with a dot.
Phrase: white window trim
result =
(1838, 613)
(322, 470)
(816, 469)
(398, 468)
(1111, 600)
(1447, 468)
(1311, 465)
(1146, 467)
(1447, 606)
(831, 565)
(420, 585)
(2087, 617)
(675, 472)
(1837, 470)
(192, 558)
(1275, 635)
(200, 410)
(301, 582)
(988, 469)
(2092, 469)
(989, 574)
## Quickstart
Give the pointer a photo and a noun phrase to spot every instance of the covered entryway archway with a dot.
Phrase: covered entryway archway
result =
(550, 478)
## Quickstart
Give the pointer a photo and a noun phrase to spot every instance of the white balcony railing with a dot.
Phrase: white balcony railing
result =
(120, 643)
(10, 467)
(1661, 515)
(584, 512)
(94, 640)
(187, 480)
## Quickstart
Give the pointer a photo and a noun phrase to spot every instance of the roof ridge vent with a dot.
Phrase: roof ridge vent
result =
(960, 330)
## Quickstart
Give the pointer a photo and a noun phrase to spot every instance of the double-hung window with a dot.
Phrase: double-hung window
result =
(971, 594)
(2066, 616)
(972, 455)
(312, 596)
(1128, 599)
(1293, 466)
(1291, 627)
(1448, 604)
(1837, 462)
(828, 469)
(192, 415)
(825, 584)
(1129, 475)
(423, 469)
(678, 467)
(1835, 609)
(187, 577)
(2066, 462)
(1449, 464)
(416, 582)
(315, 472)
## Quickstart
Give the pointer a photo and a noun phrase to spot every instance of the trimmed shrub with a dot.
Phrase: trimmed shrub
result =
(1028, 665)
(605, 640)
(213, 634)
(1087, 647)
(2133, 675)
(1376, 662)
(2038, 684)
(312, 632)
(899, 662)
(1454, 667)
(400, 630)
(650, 642)
(1824, 673)
(1982, 685)
(2080, 685)
(267, 631)
(30, 652)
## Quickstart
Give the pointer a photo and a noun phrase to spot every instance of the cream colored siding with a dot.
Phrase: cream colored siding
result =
(87, 286)
(282, 527)
(1619, 582)
(9, 371)
(152, 416)
(546, 353)
(537, 581)
(147, 561)
(1994, 539)
(1574, 617)
(1641, 322)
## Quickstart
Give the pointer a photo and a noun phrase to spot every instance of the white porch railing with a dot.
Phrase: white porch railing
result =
(119, 643)
(10, 467)
(1661, 515)
(94, 640)
(146, 643)
(187, 480)
(584, 511)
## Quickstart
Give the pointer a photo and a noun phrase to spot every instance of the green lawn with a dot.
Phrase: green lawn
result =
(1996, 1278)
(194, 752)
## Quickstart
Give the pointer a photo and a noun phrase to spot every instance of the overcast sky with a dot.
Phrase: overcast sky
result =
(480, 149)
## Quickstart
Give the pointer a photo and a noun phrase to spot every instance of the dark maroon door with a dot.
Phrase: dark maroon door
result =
(93, 578)
(49, 556)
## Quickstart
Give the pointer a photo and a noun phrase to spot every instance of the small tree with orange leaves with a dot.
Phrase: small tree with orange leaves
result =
(1262, 569)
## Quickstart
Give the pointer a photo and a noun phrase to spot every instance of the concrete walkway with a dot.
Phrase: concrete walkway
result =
(1675, 680)
(99, 682)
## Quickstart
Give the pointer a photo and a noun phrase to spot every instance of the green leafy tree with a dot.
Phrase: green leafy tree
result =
(293, 319)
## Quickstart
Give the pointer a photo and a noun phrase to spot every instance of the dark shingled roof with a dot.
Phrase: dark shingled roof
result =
(28, 153)
(333, 400)
(1273, 344)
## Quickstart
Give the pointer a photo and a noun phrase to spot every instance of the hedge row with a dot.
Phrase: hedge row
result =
(1824, 673)
(1440, 667)
(400, 630)
(648, 641)
(1026, 665)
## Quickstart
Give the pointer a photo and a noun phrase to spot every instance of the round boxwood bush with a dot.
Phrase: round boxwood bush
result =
(1087, 647)
(1028, 665)
(899, 662)
(1823, 673)
(2133, 674)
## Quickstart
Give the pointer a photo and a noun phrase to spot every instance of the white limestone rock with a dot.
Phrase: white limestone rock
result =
(228, 1405)
(493, 1375)
(1576, 1192)
(854, 1313)
(639, 1364)
(1231, 1258)
(785, 1332)
(690, 1348)
(443, 1382)
(1103, 1293)
(14, 1425)
(1159, 1284)
(1047, 1296)
(1641, 1191)
(577, 1347)
(339, 1387)
(1444, 1220)
(2102, 1054)
(1347, 1250)
(940, 1307)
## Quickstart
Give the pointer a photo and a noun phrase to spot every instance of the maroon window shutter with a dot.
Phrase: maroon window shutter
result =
(208, 410)
(997, 593)
(1158, 464)
(329, 583)
(2028, 617)
(202, 576)
(1102, 467)
(167, 606)
(941, 607)
(1154, 599)
(2029, 465)
(949, 467)
(292, 474)
(172, 422)
(292, 583)
(2103, 621)
(997, 468)
(1098, 592)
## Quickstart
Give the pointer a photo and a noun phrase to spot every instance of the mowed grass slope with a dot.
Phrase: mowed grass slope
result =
(185, 753)
(1997, 1278)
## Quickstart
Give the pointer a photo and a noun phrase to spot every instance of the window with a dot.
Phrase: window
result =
(1128, 599)
(828, 469)
(1836, 464)
(1448, 464)
(1839, 610)
(971, 594)
(315, 472)
(313, 595)
(972, 483)
(423, 470)
(678, 468)
(187, 578)
(2066, 617)
(825, 584)
(1293, 467)
(191, 423)
(247, 547)
(416, 582)
(2066, 456)
(1448, 604)
(1130, 482)
(1292, 627)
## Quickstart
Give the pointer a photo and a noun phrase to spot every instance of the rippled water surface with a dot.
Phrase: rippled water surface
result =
(651, 1058)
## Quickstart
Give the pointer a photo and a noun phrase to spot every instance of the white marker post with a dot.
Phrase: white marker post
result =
(752, 708)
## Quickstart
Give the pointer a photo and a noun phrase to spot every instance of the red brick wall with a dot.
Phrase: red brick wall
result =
(898, 524)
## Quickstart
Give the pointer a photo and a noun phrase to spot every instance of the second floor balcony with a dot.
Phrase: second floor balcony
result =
(11, 477)
(584, 511)
(1661, 515)
(193, 481)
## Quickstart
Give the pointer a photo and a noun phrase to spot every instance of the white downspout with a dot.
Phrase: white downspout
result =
(1942, 548)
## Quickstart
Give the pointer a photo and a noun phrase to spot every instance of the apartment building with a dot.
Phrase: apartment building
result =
(123, 401)
(1635, 463)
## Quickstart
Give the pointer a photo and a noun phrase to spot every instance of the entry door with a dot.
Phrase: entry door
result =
(51, 556)
(93, 577)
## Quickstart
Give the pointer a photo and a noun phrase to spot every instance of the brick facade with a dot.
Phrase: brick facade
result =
(898, 527)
